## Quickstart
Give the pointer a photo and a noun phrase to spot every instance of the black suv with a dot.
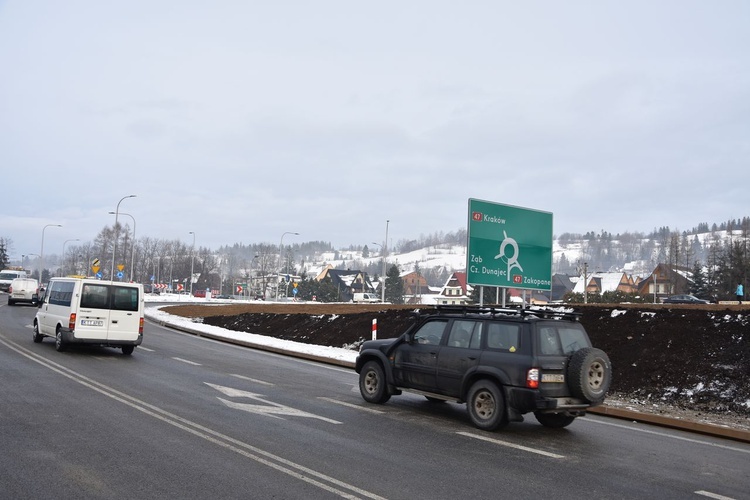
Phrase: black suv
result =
(502, 362)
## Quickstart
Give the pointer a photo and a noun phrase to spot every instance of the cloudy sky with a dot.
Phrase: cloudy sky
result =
(240, 120)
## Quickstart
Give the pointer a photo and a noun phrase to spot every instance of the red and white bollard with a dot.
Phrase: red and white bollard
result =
(374, 329)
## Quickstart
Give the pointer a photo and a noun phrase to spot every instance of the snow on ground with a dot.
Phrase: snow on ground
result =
(154, 313)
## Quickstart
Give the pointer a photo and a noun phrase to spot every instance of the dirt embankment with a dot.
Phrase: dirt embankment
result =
(695, 357)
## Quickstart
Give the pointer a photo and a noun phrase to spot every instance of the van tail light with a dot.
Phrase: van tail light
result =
(10, 289)
(72, 321)
(140, 327)
(532, 378)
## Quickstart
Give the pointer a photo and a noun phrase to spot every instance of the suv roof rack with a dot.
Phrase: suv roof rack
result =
(538, 312)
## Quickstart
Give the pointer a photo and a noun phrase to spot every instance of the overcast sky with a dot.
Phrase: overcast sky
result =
(328, 118)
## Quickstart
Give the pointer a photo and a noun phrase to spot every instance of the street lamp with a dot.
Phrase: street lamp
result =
(192, 262)
(114, 247)
(41, 252)
(278, 275)
(384, 247)
(62, 266)
(132, 251)
(382, 279)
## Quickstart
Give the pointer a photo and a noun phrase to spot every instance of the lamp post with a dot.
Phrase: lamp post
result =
(132, 251)
(62, 266)
(385, 251)
(192, 262)
(41, 252)
(382, 279)
(278, 275)
(114, 246)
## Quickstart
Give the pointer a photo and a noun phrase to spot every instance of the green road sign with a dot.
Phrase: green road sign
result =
(509, 246)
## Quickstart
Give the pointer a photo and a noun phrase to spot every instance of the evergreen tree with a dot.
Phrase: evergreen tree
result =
(394, 286)
(4, 260)
(699, 286)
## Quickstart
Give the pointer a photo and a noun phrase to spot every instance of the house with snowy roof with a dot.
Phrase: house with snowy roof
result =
(347, 281)
(601, 282)
(456, 291)
(666, 280)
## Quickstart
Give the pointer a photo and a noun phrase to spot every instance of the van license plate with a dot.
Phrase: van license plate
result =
(553, 377)
(92, 322)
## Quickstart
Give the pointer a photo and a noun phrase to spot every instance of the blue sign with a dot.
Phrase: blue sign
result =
(119, 274)
(152, 278)
(294, 291)
(287, 278)
(99, 275)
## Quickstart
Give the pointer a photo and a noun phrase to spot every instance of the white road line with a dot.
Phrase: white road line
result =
(712, 495)
(145, 349)
(188, 362)
(664, 434)
(350, 405)
(276, 462)
(511, 445)
(254, 380)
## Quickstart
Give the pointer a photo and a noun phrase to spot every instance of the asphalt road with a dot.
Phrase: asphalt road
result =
(188, 417)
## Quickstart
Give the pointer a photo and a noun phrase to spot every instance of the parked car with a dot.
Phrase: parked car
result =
(684, 299)
(23, 290)
(502, 363)
(199, 293)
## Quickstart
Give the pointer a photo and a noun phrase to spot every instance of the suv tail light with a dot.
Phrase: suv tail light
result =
(532, 378)
(10, 289)
(72, 321)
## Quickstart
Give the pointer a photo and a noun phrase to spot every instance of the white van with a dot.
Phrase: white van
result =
(8, 275)
(91, 311)
(23, 290)
(365, 298)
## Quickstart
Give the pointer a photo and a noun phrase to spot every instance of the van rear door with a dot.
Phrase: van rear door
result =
(92, 321)
(125, 313)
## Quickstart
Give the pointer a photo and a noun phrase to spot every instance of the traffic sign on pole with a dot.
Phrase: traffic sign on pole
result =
(509, 246)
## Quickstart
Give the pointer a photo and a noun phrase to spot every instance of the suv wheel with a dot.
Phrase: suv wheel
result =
(372, 384)
(589, 374)
(553, 420)
(486, 406)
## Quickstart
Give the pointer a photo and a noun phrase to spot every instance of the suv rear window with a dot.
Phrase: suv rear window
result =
(562, 339)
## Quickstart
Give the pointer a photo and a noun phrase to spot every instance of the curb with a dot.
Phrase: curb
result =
(672, 423)
(603, 410)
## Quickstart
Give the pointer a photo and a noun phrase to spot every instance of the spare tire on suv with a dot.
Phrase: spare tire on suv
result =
(589, 374)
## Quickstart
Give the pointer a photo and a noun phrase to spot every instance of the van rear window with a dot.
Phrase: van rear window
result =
(95, 296)
(124, 298)
(117, 298)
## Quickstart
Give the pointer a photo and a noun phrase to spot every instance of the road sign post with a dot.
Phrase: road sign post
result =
(509, 246)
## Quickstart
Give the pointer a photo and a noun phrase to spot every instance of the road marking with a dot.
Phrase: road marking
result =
(664, 434)
(145, 349)
(276, 462)
(268, 408)
(188, 362)
(254, 380)
(713, 495)
(351, 405)
(511, 445)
